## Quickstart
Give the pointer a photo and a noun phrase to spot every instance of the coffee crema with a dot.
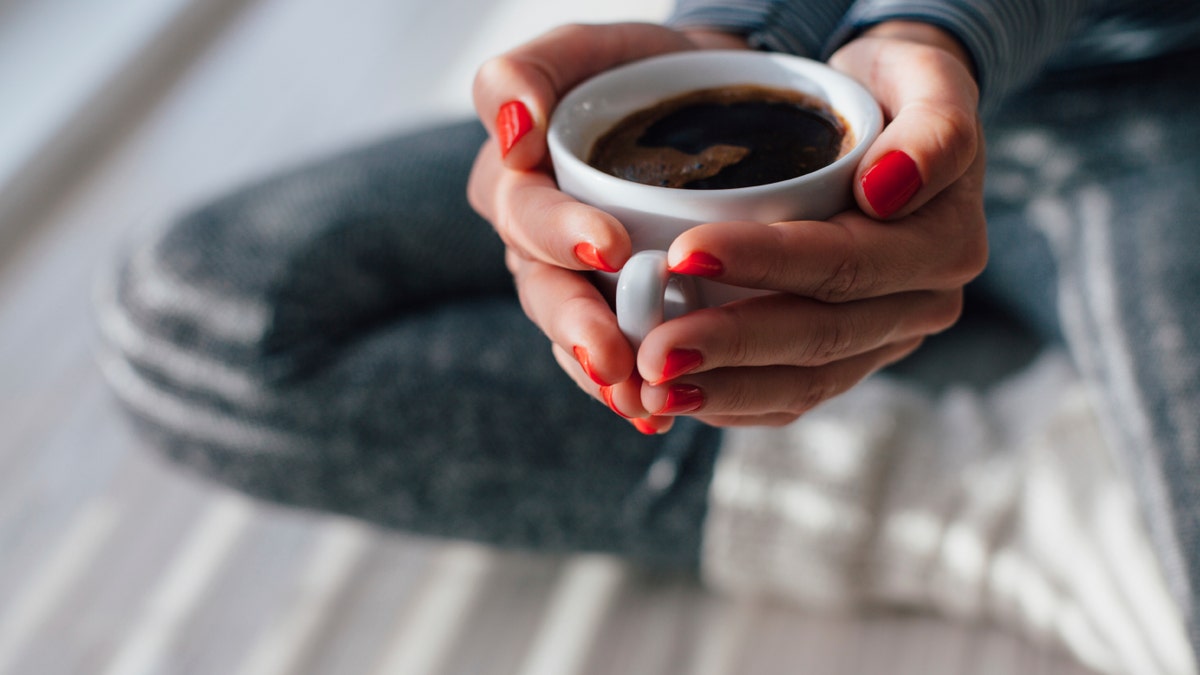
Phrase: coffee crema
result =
(724, 137)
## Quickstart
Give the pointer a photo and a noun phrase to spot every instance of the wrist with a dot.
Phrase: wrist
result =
(926, 34)
(714, 38)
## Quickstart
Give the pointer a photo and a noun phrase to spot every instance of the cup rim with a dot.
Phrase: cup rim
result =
(815, 70)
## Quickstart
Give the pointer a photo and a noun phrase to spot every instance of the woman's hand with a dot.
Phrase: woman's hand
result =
(552, 239)
(858, 292)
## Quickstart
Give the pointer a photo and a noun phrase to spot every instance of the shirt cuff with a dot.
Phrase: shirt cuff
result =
(1009, 40)
(770, 25)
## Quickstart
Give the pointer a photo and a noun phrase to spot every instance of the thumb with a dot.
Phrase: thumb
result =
(930, 98)
(514, 93)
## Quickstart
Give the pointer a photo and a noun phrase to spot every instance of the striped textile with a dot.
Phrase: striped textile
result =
(1010, 40)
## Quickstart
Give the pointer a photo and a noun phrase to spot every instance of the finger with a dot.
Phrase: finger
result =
(930, 98)
(772, 390)
(515, 93)
(629, 391)
(766, 420)
(625, 398)
(849, 257)
(531, 215)
(576, 317)
(653, 425)
(803, 332)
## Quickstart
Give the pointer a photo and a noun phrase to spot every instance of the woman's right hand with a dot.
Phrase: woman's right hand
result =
(552, 239)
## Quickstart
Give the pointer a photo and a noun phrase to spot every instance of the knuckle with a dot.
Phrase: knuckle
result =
(964, 262)
(491, 73)
(938, 311)
(953, 132)
(735, 341)
(502, 223)
(475, 197)
(511, 72)
(959, 126)
(528, 307)
(832, 340)
(948, 311)
(560, 222)
(738, 399)
(780, 265)
(850, 275)
(518, 260)
(478, 196)
(842, 283)
(810, 390)
(972, 258)
(906, 350)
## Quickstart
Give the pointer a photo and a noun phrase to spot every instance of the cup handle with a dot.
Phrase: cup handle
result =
(648, 294)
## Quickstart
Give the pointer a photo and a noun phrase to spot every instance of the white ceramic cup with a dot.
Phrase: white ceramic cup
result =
(646, 293)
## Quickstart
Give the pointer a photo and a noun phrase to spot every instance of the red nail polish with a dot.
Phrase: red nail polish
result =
(585, 362)
(512, 122)
(607, 394)
(891, 182)
(644, 426)
(699, 264)
(680, 361)
(590, 256)
(682, 398)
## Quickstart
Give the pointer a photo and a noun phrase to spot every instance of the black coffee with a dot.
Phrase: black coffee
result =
(726, 137)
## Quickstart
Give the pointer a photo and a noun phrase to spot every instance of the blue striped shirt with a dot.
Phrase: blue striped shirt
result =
(1010, 40)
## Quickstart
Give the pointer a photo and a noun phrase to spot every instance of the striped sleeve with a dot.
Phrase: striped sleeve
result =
(1010, 40)
(788, 26)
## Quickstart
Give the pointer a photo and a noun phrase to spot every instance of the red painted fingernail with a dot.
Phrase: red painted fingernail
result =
(682, 398)
(512, 122)
(644, 426)
(607, 394)
(581, 355)
(699, 264)
(590, 256)
(680, 361)
(891, 182)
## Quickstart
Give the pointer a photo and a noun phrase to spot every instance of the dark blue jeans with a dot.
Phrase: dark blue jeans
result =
(345, 336)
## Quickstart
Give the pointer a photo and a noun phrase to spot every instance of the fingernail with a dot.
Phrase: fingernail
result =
(512, 122)
(699, 264)
(680, 361)
(590, 256)
(644, 426)
(891, 182)
(581, 355)
(682, 398)
(607, 394)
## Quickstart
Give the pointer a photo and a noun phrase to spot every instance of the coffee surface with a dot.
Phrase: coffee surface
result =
(726, 137)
